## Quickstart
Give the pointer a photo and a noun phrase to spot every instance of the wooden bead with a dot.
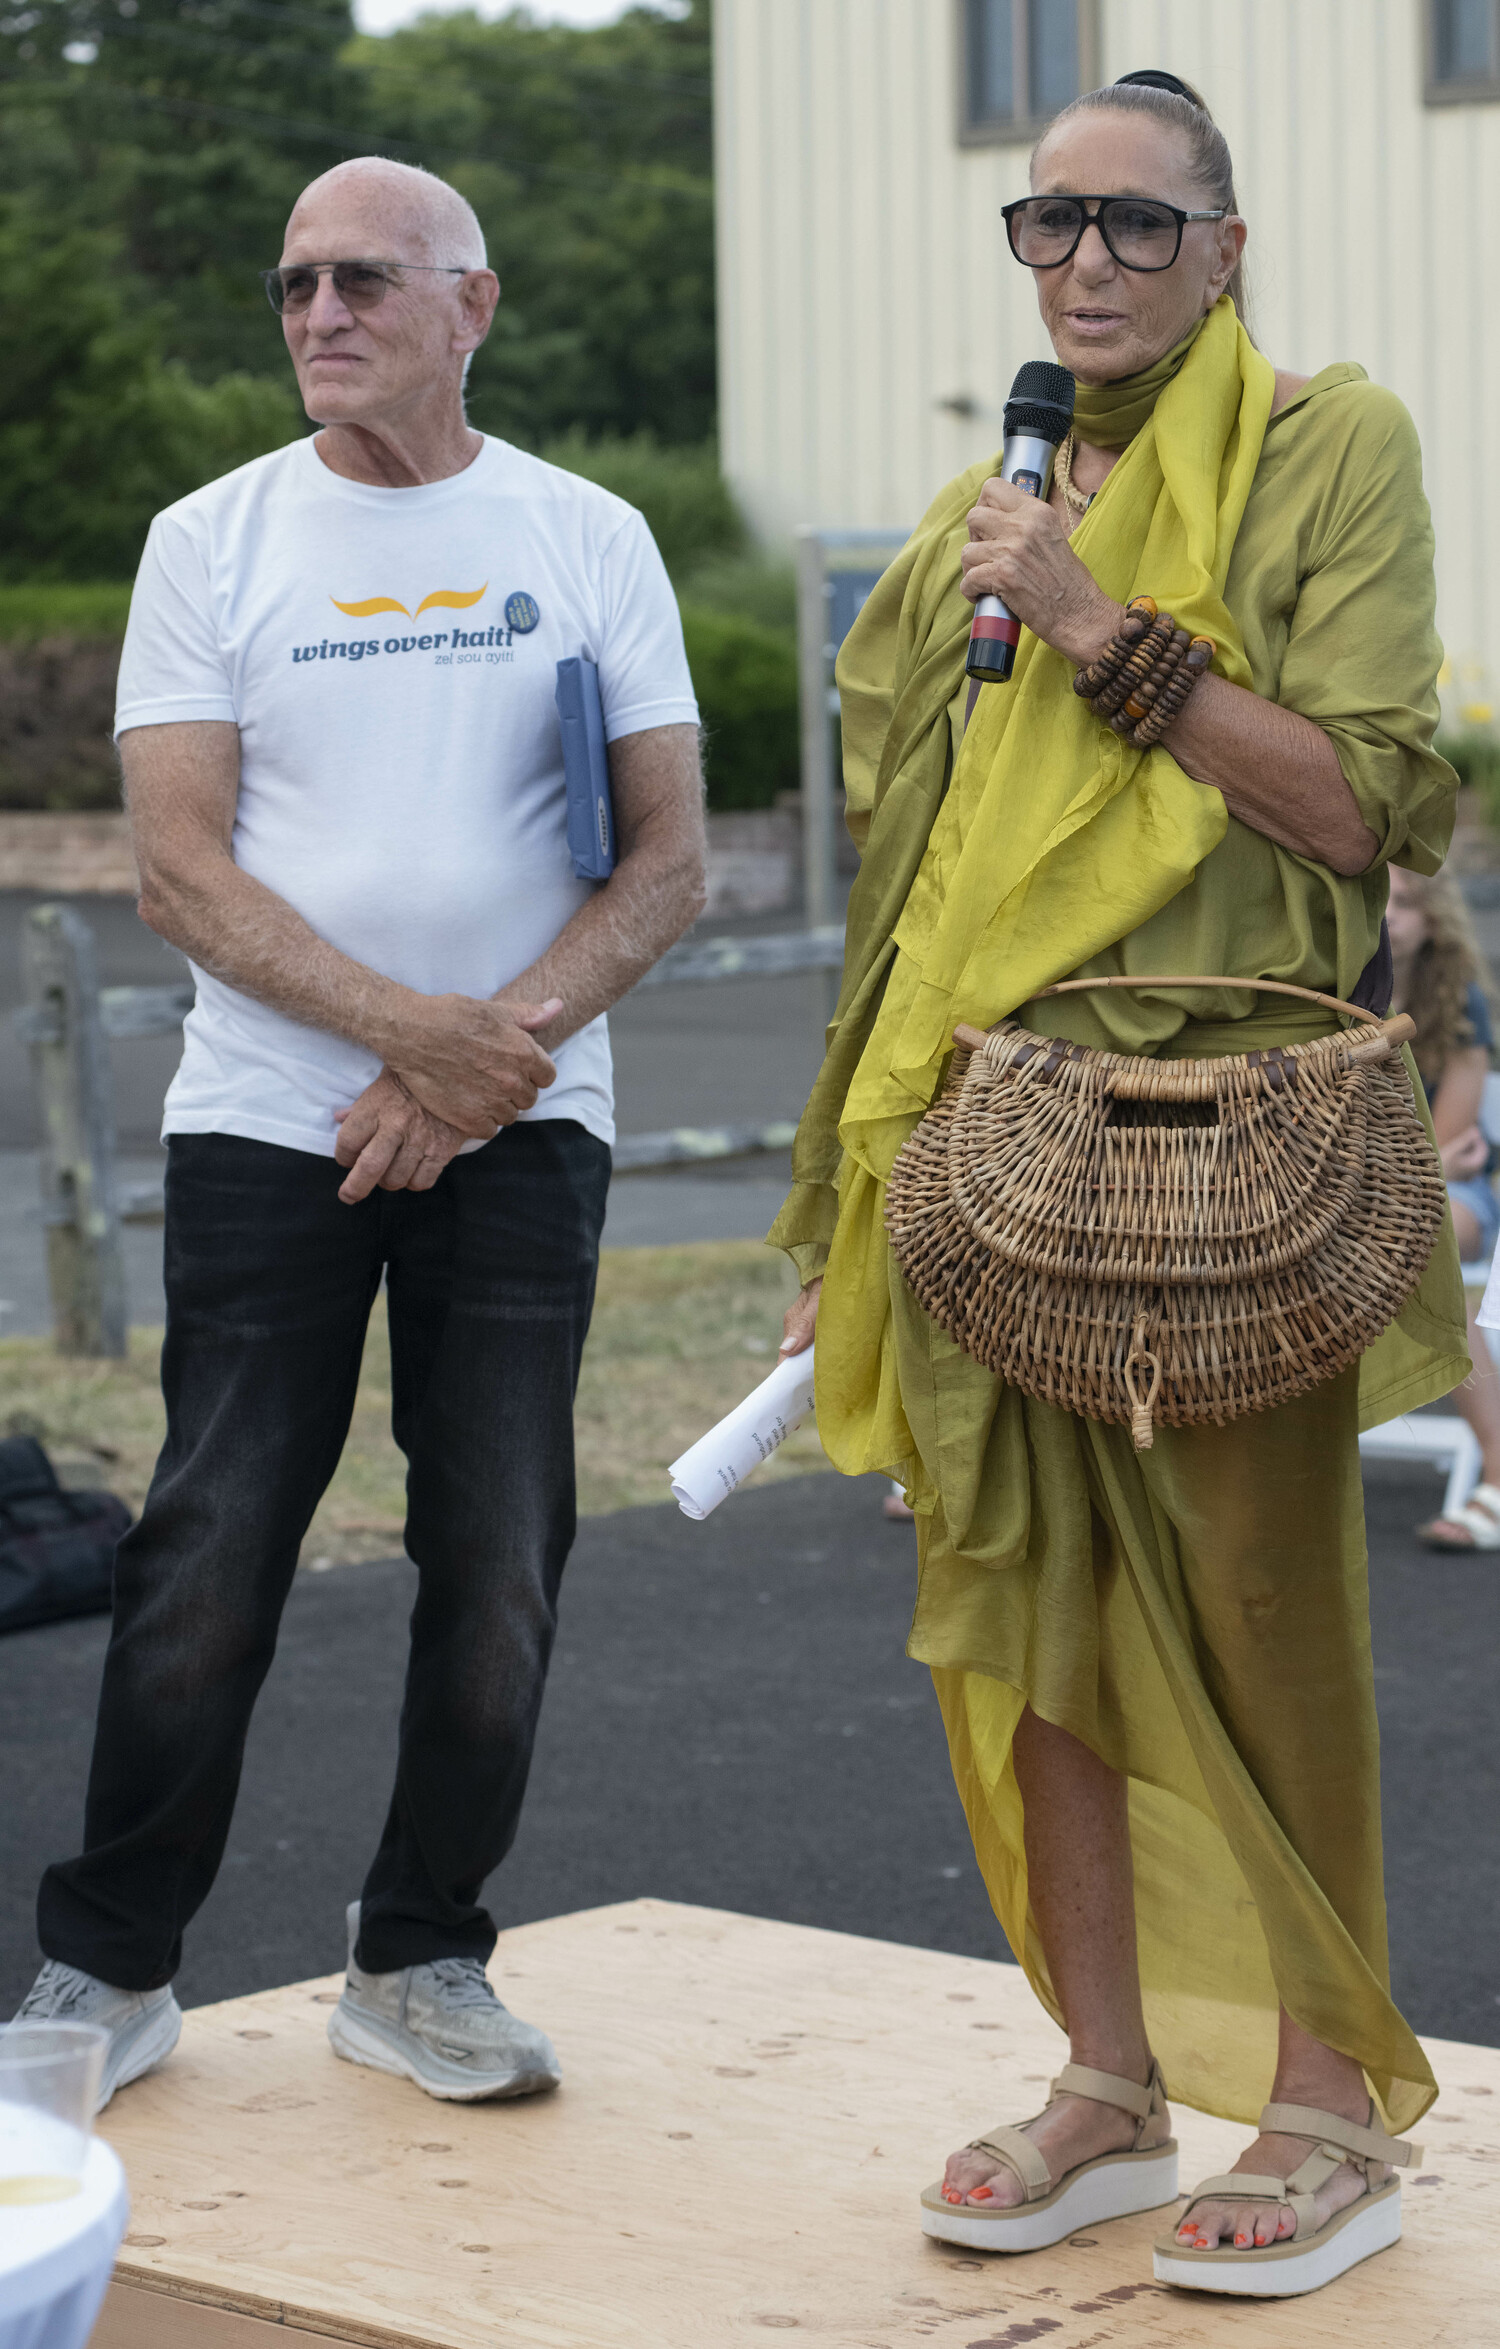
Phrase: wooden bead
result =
(1138, 666)
(1098, 673)
(1174, 694)
(1089, 681)
(1116, 695)
(1145, 673)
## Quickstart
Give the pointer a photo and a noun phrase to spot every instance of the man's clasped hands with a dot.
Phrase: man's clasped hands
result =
(456, 1070)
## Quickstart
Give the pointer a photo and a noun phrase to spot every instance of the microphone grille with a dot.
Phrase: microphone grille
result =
(1043, 423)
(1042, 379)
(1041, 400)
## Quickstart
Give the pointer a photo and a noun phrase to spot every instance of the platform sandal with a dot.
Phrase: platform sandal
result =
(1310, 2256)
(1112, 2185)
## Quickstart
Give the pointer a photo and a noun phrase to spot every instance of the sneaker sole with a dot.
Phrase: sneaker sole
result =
(138, 2048)
(363, 2039)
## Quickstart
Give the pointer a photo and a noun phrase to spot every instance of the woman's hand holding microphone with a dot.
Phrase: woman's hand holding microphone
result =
(1018, 550)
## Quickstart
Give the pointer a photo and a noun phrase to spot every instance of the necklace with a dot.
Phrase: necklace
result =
(1062, 473)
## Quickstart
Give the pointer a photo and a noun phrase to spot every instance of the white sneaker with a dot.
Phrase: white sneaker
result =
(442, 2026)
(143, 2025)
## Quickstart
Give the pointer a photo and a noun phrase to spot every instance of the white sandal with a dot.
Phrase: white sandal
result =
(1310, 2256)
(1479, 1517)
(1112, 2185)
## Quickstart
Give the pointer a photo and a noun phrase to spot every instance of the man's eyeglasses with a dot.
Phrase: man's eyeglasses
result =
(1141, 232)
(360, 285)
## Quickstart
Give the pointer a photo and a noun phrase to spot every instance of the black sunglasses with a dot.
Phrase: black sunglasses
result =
(1140, 232)
(360, 285)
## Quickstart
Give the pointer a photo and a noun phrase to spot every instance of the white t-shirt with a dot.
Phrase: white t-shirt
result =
(389, 656)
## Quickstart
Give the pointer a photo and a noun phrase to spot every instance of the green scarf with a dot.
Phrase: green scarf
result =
(1053, 839)
(1109, 415)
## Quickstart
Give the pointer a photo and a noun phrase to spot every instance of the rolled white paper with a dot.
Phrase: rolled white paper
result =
(709, 1470)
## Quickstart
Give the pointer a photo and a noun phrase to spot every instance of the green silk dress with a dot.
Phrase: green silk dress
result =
(1198, 1614)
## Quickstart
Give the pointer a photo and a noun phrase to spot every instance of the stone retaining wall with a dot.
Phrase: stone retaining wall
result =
(74, 855)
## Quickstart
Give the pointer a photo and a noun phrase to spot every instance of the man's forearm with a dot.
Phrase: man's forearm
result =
(597, 957)
(242, 933)
(655, 892)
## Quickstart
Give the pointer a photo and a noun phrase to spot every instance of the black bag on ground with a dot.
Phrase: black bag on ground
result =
(57, 1548)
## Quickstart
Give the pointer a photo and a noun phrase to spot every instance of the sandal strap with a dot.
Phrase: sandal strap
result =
(1016, 2150)
(1248, 2186)
(1352, 2141)
(1109, 2088)
(1337, 2144)
(1020, 2155)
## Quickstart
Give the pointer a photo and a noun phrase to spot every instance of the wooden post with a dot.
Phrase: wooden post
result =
(85, 1268)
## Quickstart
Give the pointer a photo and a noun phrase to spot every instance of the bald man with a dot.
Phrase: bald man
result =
(344, 772)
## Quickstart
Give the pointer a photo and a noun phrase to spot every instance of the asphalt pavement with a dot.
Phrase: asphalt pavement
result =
(732, 1719)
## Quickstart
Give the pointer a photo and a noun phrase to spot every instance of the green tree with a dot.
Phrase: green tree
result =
(187, 127)
(150, 151)
(98, 429)
(587, 156)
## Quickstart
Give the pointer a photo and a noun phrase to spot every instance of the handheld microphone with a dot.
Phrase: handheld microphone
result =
(1038, 415)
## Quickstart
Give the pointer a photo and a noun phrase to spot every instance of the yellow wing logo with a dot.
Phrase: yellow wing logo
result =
(452, 599)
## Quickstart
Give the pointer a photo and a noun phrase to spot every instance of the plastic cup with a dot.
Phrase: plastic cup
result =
(49, 2086)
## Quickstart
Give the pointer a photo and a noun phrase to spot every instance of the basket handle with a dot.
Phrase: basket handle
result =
(1398, 1030)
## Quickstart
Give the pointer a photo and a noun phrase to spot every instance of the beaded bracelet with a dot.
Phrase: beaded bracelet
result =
(1148, 657)
(1133, 705)
(1169, 702)
(1139, 614)
(1141, 681)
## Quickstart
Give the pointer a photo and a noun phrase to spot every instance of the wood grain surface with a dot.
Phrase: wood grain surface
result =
(748, 2114)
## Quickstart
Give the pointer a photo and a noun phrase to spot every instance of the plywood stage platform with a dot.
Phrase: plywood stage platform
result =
(748, 2114)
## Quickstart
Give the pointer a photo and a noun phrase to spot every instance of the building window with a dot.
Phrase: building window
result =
(1021, 62)
(1463, 50)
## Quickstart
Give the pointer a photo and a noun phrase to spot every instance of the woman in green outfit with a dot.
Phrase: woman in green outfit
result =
(1154, 1667)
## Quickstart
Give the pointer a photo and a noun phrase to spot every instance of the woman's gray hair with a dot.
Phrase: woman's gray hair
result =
(1212, 164)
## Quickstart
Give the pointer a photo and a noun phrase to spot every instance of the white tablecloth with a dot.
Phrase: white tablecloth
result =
(56, 2258)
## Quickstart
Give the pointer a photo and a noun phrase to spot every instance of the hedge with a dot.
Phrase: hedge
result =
(745, 678)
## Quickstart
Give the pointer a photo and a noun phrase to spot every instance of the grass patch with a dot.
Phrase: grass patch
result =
(679, 1336)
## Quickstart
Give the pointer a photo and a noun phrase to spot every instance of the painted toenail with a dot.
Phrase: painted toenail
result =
(1241, 2240)
(983, 2194)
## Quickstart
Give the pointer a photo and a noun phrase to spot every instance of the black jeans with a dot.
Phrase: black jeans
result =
(270, 1281)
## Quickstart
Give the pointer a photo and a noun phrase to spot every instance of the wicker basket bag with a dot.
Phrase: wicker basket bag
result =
(1178, 1240)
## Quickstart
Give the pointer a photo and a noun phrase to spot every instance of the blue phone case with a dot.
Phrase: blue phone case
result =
(591, 815)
